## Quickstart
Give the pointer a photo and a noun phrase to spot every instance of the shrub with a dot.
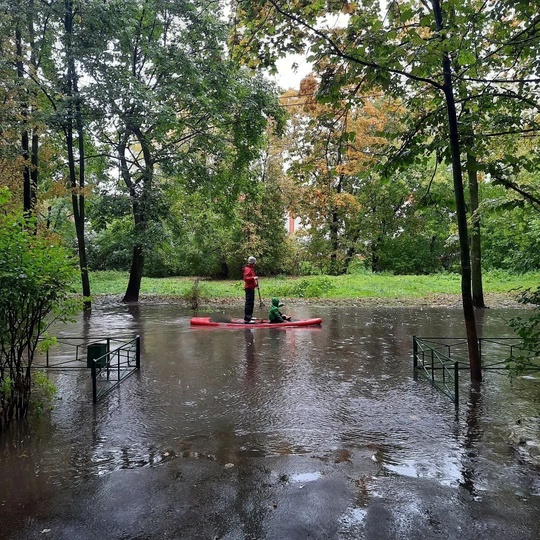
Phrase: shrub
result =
(43, 392)
(311, 288)
(36, 275)
(527, 356)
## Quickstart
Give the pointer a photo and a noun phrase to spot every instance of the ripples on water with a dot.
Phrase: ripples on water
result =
(343, 394)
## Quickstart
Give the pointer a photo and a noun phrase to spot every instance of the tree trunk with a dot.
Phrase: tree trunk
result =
(137, 259)
(139, 205)
(77, 183)
(334, 242)
(350, 253)
(81, 241)
(375, 259)
(476, 244)
(28, 203)
(224, 272)
(466, 292)
(78, 215)
(135, 275)
(34, 148)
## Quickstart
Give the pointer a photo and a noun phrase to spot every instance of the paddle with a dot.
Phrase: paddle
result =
(221, 317)
(261, 304)
(224, 319)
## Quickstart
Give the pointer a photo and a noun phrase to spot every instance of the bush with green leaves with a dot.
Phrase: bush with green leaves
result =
(43, 391)
(314, 287)
(412, 254)
(510, 239)
(111, 248)
(37, 274)
(526, 357)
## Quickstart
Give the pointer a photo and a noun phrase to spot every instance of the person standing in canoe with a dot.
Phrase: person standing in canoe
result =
(274, 315)
(251, 282)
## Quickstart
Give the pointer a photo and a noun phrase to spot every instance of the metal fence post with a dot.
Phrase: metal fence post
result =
(94, 382)
(456, 383)
(138, 352)
(480, 351)
(415, 354)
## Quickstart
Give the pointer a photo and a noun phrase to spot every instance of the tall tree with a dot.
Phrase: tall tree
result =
(173, 105)
(75, 145)
(21, 17)
(10, 154)
(48, 102)
(331, 151)
(455, 151)
(409, 50)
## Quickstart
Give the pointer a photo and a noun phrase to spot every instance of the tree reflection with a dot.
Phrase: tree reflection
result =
(473, 434)
(251, 366)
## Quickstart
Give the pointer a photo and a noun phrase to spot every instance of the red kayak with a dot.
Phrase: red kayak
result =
(259, 323)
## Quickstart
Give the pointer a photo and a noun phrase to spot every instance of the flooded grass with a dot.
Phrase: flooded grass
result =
(351, 286)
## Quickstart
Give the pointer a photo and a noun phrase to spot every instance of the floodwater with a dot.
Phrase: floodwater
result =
(284, 434)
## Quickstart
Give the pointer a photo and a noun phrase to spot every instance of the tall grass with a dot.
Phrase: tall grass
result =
(365, 285)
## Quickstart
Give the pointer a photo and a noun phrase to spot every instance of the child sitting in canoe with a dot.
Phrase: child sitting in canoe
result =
(274, 315)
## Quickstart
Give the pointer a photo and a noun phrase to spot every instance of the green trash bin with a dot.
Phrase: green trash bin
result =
(94, 351)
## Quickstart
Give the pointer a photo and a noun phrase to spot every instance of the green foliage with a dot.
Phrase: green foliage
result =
(111, 248)
(195, 294)
(358, 266)
(407, 254)
(307, 268)
(6, 387)
(211, 237)
(527, 356)
(510, 239)
(43, 392)
(360, 284)
(315, 287)
(312, 250)
(36, 278)
(46, 342)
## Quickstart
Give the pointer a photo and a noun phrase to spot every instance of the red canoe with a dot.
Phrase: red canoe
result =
(259, 323)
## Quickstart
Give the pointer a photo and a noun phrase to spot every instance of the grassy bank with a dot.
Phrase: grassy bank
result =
(339, 288)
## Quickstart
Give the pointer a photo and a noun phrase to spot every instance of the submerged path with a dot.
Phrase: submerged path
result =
(278, 434)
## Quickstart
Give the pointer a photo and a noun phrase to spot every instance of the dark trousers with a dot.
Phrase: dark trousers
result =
(250, 303)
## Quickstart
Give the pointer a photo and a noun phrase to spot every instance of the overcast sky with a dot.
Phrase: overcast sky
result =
(287, 77)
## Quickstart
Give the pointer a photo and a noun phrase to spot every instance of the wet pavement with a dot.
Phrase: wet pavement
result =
(308, 433)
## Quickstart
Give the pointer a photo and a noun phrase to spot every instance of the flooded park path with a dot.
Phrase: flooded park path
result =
(282, 434)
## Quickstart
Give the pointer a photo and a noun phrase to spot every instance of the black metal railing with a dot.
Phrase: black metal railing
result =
(433, 362)
(113, 366)
(439, 359)
(110, 359)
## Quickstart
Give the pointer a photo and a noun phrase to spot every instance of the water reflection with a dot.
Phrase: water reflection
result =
(308, 403)
(473, 434)
(250, 355)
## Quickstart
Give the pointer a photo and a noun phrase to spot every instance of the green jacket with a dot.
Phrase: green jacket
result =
(274, 315)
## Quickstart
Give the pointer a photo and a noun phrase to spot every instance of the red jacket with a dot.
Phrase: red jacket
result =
(249, 277)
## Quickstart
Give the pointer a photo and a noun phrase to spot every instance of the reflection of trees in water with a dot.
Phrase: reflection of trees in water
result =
(473, 434)
(135, 311)
(91, 452)
(276, 339)
(250, 354)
